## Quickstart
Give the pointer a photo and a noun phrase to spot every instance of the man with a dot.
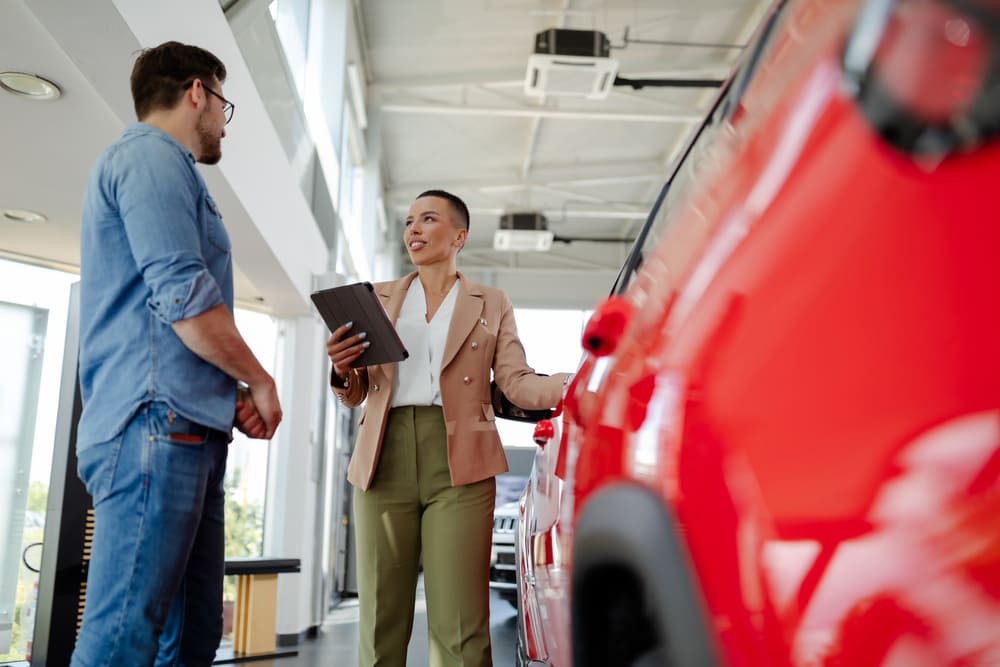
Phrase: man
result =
(160, 357)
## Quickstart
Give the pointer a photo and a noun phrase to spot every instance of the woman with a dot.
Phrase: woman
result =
(428, 450)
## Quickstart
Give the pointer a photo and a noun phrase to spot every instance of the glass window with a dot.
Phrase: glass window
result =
(291, 21)
(703, 148)
(33, 308)
(246, 468)
(551, 341)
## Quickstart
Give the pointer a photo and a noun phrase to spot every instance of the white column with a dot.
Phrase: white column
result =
(293, 471)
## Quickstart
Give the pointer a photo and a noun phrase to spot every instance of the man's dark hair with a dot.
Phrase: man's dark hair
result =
(161, 74)
(456, 203)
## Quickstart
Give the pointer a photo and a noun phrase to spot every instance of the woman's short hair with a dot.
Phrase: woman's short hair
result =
(161, 74)
(456, 203)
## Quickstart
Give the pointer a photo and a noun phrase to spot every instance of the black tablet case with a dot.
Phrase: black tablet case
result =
(358, 303)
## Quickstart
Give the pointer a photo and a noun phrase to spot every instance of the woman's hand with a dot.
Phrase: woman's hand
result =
(343, 349)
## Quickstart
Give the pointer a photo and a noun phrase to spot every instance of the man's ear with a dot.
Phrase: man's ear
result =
(196, 94)
(463, 235)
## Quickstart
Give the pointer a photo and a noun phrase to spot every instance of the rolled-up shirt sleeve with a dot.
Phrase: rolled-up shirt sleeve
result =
(161, 216)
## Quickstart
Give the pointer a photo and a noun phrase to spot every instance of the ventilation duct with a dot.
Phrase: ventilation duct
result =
(523, 232)
(571, 62)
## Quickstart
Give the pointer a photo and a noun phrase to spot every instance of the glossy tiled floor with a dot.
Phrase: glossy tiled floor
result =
(336, 645)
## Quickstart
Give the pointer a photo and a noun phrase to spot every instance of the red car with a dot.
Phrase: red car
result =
(783, 446)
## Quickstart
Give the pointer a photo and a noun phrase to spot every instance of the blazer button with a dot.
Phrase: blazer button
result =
(475, 345)
(374, 387)
(467, 380)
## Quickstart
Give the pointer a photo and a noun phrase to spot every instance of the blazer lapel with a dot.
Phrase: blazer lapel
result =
(468, 308)
(395, 292)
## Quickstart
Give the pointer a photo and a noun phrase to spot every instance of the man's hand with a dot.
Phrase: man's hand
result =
(265, 397)
(258, 413)
(343, 349)
(248, 420)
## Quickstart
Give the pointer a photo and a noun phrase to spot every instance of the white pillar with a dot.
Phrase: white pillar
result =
(294, 473)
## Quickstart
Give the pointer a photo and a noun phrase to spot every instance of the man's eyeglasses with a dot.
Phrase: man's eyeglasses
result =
(227, 107)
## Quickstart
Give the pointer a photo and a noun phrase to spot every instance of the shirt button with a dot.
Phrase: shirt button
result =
(475, 345)
(374, 387)
(467, 380)
(483, 322)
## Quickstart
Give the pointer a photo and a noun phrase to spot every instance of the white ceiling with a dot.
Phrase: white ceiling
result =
(448, 79)
(46, 158)
(447, 103)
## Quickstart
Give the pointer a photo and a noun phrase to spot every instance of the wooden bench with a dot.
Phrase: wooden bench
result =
(255, 610)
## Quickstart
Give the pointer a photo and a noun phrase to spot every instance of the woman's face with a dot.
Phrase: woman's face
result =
(431, 235)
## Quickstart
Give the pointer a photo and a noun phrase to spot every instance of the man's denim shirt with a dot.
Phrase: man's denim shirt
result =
(153, 251)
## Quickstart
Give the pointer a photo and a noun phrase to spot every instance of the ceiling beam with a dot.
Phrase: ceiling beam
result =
(554, 214)
(527, 112)
(485, 78)
(578, 176)
(465, 265)
(515, 77)
(529, 150)
(651, 172)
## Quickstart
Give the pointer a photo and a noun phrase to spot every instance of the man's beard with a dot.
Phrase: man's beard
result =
(211, 143)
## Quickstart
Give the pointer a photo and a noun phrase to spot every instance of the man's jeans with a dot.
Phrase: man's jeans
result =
(154, 588)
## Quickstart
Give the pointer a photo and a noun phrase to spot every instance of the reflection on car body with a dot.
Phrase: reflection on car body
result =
(502, 570)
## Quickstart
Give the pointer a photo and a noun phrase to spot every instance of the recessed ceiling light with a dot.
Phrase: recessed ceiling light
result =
(31, 86)
(24, 215)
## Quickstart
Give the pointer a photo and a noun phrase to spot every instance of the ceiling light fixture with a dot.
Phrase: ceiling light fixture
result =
(24, 215)
(32, 86)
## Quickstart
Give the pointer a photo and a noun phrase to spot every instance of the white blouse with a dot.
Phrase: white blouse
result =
(418, 378)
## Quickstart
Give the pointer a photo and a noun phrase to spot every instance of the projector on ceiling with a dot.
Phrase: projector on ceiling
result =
(571, 62)
(523, 232)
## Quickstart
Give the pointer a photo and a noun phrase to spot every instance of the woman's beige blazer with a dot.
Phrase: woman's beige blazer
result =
(482, 337)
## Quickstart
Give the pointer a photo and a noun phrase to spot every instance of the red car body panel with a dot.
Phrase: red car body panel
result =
(810, 382)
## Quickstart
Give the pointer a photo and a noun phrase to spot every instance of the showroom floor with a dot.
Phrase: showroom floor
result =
(336, 645)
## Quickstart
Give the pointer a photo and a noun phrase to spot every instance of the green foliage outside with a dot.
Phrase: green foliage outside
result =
(37, 495)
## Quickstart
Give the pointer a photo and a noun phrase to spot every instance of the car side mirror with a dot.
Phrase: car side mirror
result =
(544, 431)
(605, 328)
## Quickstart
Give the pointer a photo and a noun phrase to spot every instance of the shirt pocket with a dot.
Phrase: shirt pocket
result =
(217, 233)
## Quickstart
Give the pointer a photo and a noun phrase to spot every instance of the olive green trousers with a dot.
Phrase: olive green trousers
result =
(410, 511)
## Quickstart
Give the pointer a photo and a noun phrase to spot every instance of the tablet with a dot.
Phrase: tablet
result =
(358, 303)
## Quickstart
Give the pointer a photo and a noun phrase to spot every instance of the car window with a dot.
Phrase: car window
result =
(698, 150)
